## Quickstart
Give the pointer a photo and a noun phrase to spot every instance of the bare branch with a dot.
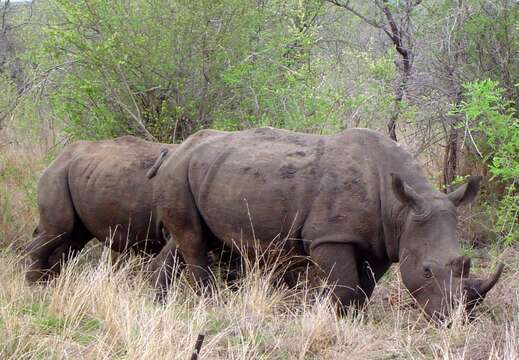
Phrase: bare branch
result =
(135, 115)
(4, 15)
(346, 5)
(396, 34)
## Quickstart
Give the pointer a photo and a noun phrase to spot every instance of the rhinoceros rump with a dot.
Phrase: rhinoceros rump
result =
(97, 189)
(353, 203)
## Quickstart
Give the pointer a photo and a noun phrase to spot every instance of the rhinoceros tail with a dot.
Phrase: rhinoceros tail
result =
(153, 170)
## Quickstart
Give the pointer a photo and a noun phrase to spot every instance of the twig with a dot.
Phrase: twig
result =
(32, 85)
(198, 346)
(348, 7)
(467, 129)
(137, 114)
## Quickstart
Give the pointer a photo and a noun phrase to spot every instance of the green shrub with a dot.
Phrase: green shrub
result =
(164, 69)
(496, 127)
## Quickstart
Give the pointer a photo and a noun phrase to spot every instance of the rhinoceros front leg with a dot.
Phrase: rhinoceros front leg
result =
(339, 268)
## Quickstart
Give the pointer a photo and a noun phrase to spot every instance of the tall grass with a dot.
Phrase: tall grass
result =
(98, 310)
(94, 310)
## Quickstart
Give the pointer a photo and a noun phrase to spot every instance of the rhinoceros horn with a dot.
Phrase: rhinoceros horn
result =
(477, 289)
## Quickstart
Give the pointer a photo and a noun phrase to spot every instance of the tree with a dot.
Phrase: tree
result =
(13, 18)
(476, 40)
(394, 19)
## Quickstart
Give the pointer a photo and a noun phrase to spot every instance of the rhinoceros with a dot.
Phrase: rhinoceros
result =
(98, 189)
(352, 203)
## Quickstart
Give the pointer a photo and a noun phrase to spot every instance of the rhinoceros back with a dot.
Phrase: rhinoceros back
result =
(110, 191)
(270, 184)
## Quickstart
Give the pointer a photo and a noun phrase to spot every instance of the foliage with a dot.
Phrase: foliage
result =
(164, 69)
(490, 40)
(8, 91)
(487, 111)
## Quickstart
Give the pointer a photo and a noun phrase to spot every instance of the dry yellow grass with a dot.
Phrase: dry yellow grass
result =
(97, 311)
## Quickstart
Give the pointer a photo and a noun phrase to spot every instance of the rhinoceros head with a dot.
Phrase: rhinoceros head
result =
(431, 264)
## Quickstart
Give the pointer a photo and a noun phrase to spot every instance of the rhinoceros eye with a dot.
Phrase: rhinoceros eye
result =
(427, 272)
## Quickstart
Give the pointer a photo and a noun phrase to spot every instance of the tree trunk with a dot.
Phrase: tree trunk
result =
(450, 159)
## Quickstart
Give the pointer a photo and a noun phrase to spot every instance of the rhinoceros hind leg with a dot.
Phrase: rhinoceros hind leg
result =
(164, 267)
(192, 247)
(38, 254)
(338, 266)
(47, 253)
(57, 220)
(69, 249)
(196, 261)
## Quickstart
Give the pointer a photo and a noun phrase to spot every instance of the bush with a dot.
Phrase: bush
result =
(487, 112)
(164, 69)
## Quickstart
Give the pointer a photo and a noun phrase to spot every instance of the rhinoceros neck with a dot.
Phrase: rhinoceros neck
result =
(396, 160)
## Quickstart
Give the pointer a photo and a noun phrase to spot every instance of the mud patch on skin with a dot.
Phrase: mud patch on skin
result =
(315, 169)
(297, 140)
(297, 154)
(258, 175)
(267, 133)
(332, 184)
(147, 163)
(281, 195)
(336, 219)
(262, 131)
(287, 172)
(355, 185)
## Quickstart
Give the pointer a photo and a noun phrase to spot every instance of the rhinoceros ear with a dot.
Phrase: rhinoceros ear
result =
(407, 195)
(465, 193)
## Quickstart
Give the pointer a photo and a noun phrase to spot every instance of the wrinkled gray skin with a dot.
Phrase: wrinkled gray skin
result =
(97, 189)
(354, 203)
